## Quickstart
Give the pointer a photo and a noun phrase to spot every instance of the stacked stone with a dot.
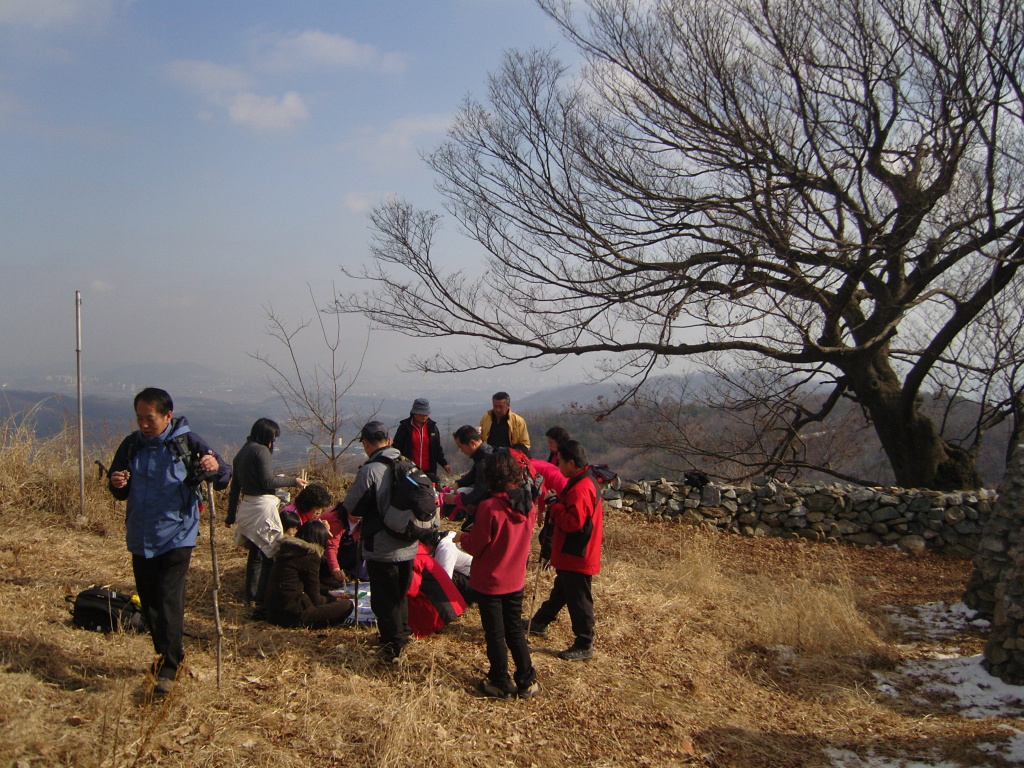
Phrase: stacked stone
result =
(911, 520)
(994, 556)
(1000, 561)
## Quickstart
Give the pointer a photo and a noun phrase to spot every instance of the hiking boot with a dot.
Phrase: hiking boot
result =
(164, 685)
(576, 653)
(492, 691)
(389, 655)
(534, 628)
(528, 691)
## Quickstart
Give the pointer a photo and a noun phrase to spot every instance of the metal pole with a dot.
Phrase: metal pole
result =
(81, 420)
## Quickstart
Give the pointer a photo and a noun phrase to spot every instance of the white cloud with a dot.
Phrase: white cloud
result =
(314, 49)
(101, 286)
(268, 113)
(359, 203)
(40, 14)
(231, 89)
(403, 137)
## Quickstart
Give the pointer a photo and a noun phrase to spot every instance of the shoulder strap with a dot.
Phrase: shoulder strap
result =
(181, 447)
(585, 473)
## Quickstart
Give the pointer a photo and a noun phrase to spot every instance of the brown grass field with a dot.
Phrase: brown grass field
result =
(687, 670)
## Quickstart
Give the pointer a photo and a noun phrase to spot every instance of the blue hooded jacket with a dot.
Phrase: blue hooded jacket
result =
(162, 512)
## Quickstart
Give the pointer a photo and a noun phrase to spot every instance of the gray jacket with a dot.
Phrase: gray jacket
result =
(374, 478)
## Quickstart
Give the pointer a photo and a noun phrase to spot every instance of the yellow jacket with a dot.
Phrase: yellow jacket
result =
(517, 432)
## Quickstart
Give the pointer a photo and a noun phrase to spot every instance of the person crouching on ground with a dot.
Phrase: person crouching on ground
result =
(500, 544)
(293, 591)
(576, 521)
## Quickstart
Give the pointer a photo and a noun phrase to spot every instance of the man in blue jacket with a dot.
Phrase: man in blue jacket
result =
(154, 470)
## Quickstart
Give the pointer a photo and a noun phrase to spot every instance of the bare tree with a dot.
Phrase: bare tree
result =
(313, 394)
(831, 193)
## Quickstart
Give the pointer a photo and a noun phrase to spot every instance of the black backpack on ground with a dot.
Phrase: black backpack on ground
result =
(103, 610)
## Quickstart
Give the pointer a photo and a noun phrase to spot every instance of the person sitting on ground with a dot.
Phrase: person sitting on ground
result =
(556, 436)
(571, 542)
(311, 502)
(434, 600)
(293, 591)
(500, 544)
(499, 427)
(457, 563)
(471, 444)
(418, 439)
(253, 504)
(290, 522)
(341, 558)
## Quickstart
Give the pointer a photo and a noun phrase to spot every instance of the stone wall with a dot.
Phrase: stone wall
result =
(912, 520)
(997, 584)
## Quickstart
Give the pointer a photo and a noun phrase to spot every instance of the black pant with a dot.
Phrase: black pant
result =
(389, 590)
(160, 582)
(571, 590)
(461, 582)
(502, 619)
(329, 614)
(257, 574)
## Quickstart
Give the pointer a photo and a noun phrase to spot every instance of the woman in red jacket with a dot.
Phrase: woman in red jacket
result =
(500, 544)
(575, 523)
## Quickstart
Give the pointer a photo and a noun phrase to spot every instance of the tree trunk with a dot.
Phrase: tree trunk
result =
(919, 455)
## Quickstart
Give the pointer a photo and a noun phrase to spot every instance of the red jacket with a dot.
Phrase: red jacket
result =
(338, 529)
(499, 542)
(575, 504)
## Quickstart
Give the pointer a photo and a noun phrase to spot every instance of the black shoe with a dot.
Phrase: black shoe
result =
(535, 628)
(575, 653)
(389, 655)
(164, 685)
(492, 691)
(528, 691)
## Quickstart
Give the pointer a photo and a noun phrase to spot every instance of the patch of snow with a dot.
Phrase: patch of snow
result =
(1012, 750)
(962, 684)
(844, 758)
(973, 691)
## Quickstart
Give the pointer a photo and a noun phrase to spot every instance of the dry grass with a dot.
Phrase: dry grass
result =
(712, 650)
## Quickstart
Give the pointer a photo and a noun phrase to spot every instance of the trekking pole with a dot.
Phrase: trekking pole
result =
(533, 598)
(216, 578)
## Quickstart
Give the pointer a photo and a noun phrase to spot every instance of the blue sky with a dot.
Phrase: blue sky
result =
(185, 163)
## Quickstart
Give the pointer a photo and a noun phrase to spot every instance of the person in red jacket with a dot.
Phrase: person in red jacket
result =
(500, 544)
(575, 527)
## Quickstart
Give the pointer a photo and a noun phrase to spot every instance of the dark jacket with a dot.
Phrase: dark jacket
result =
(294, 585)
(252, 476)
(162, 511)
(475, 477)
(403, 443)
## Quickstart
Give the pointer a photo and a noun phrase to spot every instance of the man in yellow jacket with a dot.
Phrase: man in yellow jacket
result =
(501, 428)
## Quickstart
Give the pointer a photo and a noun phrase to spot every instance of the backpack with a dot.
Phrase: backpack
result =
(103, 610)
(603, 475)
(532, 483)
(413, 514)
(696, 479)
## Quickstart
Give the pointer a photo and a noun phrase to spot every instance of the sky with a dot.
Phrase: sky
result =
(185, 165)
